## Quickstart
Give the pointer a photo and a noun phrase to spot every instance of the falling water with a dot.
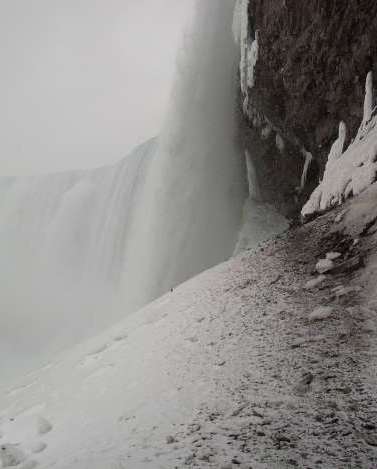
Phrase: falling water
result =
(79, 249)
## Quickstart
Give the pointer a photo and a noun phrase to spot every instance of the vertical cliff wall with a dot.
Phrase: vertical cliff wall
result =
(312, 61)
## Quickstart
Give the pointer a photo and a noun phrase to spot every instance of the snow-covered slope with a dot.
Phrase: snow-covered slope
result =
(235, 368)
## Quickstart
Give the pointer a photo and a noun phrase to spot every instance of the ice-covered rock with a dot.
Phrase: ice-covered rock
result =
(321, 313)
(351, 172)
(249, 48)
(332, 256)
(315, 282)
(324, 265)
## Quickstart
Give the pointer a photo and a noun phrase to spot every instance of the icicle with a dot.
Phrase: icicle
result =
(368, 102)
(252, 58)
(254, 192)
(368, 107)
(244, 43)
(308, 159)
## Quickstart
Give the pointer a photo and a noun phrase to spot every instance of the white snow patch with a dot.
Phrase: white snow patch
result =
(324, 265)
(315, 282)
(332, 256)
(321, 313)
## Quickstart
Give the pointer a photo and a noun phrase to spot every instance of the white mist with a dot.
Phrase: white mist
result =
(80, 249)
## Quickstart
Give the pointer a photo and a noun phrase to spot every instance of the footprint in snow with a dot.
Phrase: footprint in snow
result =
(38, 447)
(93, 356)
(43, 426)
(11, 455)
(120, 337)
(98, 350)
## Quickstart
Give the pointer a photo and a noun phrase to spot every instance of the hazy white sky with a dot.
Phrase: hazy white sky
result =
(83, 81)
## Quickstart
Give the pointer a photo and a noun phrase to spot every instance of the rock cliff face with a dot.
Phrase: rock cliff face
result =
(313, 57)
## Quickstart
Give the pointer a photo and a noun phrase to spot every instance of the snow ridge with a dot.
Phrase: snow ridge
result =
(350, 172)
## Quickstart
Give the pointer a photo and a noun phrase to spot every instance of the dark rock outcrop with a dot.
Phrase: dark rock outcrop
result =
(313, 59)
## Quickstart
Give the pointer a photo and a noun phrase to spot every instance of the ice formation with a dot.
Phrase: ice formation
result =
(352, 171)
(249, 47)
(260, 220)
(308, 157)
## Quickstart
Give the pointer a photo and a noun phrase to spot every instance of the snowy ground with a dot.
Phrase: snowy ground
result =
(235, 368)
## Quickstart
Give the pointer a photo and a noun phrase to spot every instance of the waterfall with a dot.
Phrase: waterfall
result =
(196, 186)
(63, 244)
(79, 249)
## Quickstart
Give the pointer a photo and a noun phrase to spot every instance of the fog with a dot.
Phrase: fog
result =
(83, 81)
(81, 249)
